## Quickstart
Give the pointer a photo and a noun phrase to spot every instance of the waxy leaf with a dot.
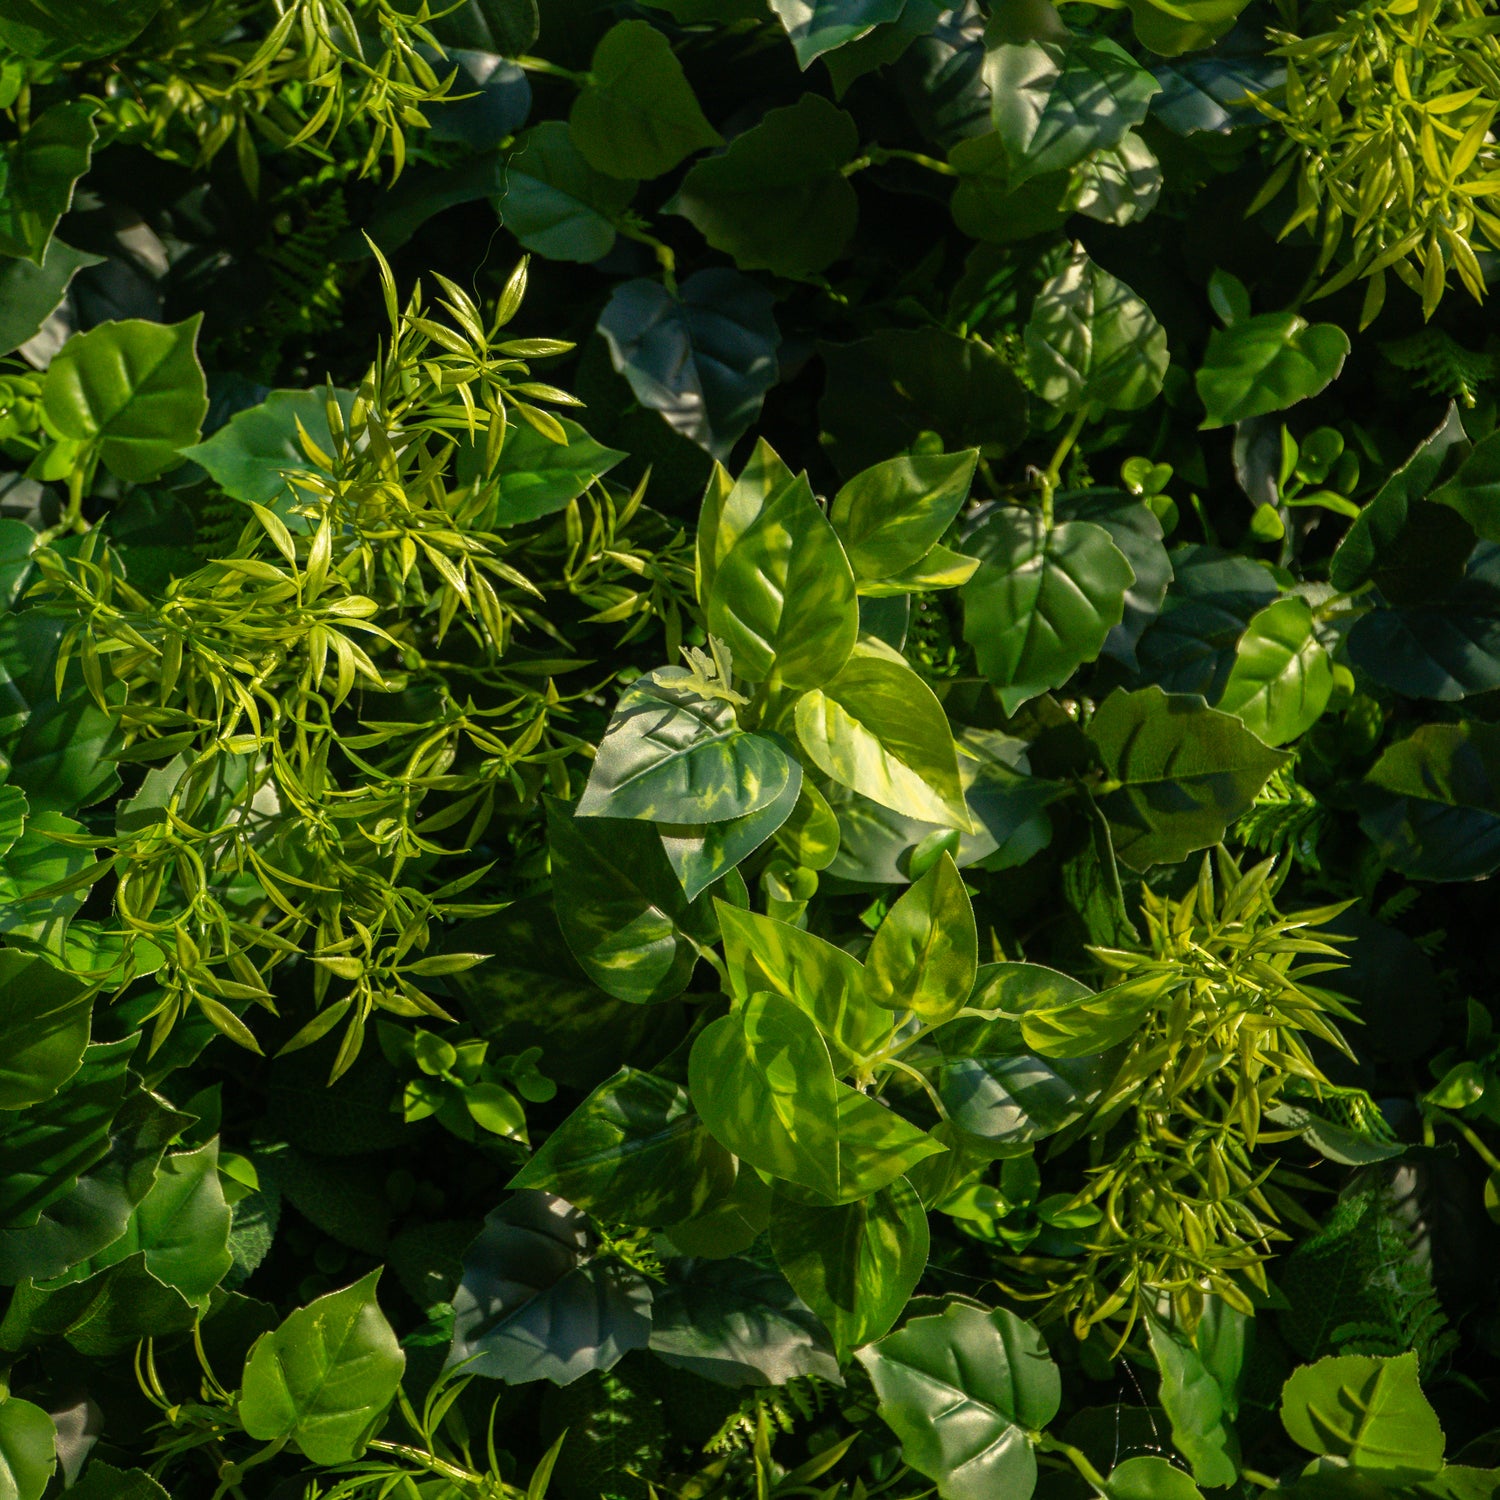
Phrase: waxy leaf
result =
(962, 1389)
(28, 1449)
(1267, 363)
(621, 908)
(1178, 774)
(44, 1027)
(1150, 1478)
(73, 30)
(633, 1152)
(892, 515)
(1043, 601)
(134, 390)
(556, 203)
(704, 358)
(103, 1315)
(925, 954)
(671, 755)
(762, 1082)
(325, 1377)
(701, 853)
(1368, 1411)
(777, 198)
(1172, 27)
(818, 26)
(40, 170)
(537, 477)
(1118, 185)
(1200, 1397)
(30, 291)
(878, 729)
(1091, 342)
(1282, 677)
(636, 115)
(873, 1145)
(534, 1304)
(856, 1264)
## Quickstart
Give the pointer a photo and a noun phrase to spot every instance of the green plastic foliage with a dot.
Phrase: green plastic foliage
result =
(30, 292)
(1199, 1390)
(1267, 363)
(1172, 27)
(633, 1152)
(37, 178)
(782, 597)
(891, 516)
(674, 756)
(762, 1082)
(873, 1145)
(1282, 677)
(325, 1377)
(72, 30)
(879, 729)
(701, 853)
(1369, 1412)
(1150, 1478)
(855, 1264)
(925, 955)
(44, 1027)
(1091, 342)
(1177, 773)
(636, 115)
(962, 1389)
(819, 26)
(777, 198)
(28, 1450)
(1043, 600)
(132, 390)
(538, 477)
(555, 202)
(626, 918)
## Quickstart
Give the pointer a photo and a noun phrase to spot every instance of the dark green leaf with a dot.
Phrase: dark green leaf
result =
(1282, 677)
(819, 26)
(557, 204)
(70, 30)
(1267, 363)
(43, 167)
(538, 477)
(44, 1027)
(29, 291)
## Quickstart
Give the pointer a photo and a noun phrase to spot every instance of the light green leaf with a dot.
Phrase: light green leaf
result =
(1042, 602)
(1178, 773)
(761, 1081)
(634, 1152)
(810, 835)
(819, 26)
(538, 477)
(1172, 27)
(1368, 1411)
(701, 853)
(1199, 1408)
(855, 1264)
(134, 389)
(777, 199)
(325, 1377)
(873, 1145)
(28, 1450)
(962, 1389)
(636, 115)
(1267, 363)
(1282, 677)
(29, 292)
(557, 204)
(43, 167)
(925, 954)
(671, 755)
(1092, 342)
(1150, 1478)
(1116, 186)
(892, 515)
(44, 1027)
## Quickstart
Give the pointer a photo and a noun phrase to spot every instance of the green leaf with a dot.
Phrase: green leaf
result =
(42, 169)
(1042, 602)
(102, 1316)
(633, 1152)
(777, 199)
(878, 729)
(810, 835)
(819, 26)
(671, 755)
(1150, 1478)
(925, 954)
(1367, 1411)
(704, 358)
(1172, 27)
(29, 292)
(761, 953)
(872, 1146)
(1091, 342)
(534, 1302)
(621, 908)
(783, 596)
(325, 1377)
(988, 204)
(737, 1323)
(892, 515)
(1282, 677)
(761, 1081)
(856, 1264)
(44, 1027)
(701, 853)
(1118, 185)
(71, 30)
(508, 28)
(636, 115)
(253, 454)
(1265, 364)
(884, 391)
(101, 1481)
(1199, 1407)
(557, 204)
(1056, 98)
(133, 389)
(962, 1389)
(28, 1450)
(538, 477)
(33, 863)
(1178, 773)
(1060, 1016)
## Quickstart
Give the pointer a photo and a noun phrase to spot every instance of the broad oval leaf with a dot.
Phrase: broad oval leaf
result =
(1148, 1477)
(1043, 601)
(1267, 363)
(325, 1377)
(819, 26)
(925, 954)
(962, 1389)
(557, 204)
(892, 515)
(701, 853)
(1282, 677)
(28, 1449)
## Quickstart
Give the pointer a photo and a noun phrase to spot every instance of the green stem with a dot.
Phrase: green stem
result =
(1049, 480)
(880, 154)
(1484, 1153)
(551, 69)
(664, 256)
(1076, 1457)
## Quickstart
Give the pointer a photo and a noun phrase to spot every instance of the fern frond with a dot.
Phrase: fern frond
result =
(1285, 820)
(1440, 364)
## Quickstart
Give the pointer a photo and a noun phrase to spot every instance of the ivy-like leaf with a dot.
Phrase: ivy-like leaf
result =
(44, 1027)
(28, 1449)
(1282, 677)
(1267, 363)
(556, 203)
